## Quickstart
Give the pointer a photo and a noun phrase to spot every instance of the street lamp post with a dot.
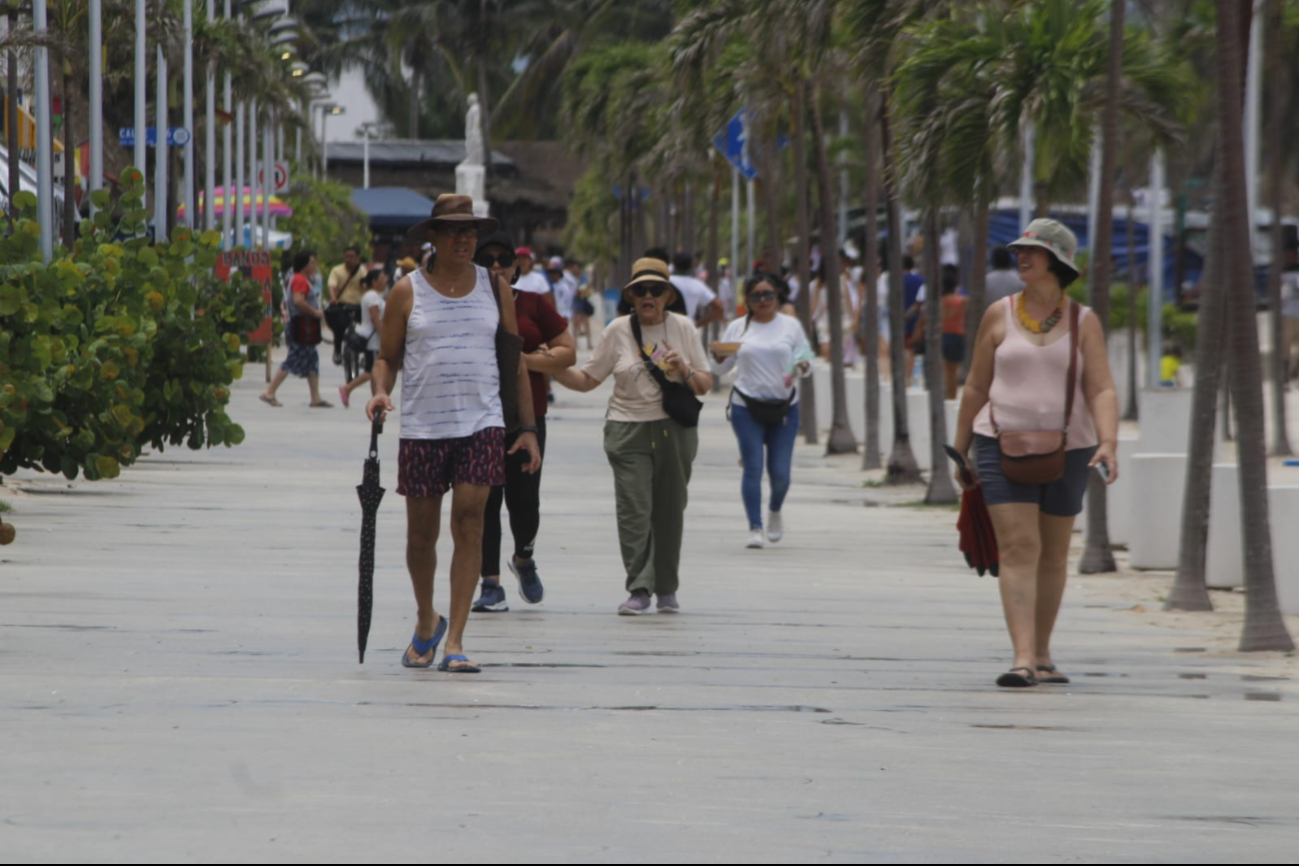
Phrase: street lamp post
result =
(96, 100)
(160, 154)
(141, 79)
(366, 128)
(209, 141)
(326, 110)
(187, 19)
(44, 138)
(227, 215)
(238, 205)
(252, 174)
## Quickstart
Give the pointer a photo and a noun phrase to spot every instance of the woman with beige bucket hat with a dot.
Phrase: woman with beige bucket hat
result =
(1040, 409)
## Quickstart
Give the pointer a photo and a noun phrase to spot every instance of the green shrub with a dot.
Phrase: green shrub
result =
(117, 344)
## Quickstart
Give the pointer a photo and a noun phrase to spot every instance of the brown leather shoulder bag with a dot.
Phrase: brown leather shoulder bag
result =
(1037, 456)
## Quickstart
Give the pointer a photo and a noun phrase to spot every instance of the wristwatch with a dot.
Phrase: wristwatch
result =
(528, 428)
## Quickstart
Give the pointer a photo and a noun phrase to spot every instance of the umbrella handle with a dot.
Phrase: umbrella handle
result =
(376, 427)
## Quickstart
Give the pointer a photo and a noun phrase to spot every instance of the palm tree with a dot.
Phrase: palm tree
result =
(1097, 554)
(1264, 627)
(1276, 150)
(871, 459)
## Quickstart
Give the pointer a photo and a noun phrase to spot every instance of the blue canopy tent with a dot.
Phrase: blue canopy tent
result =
(392, 210)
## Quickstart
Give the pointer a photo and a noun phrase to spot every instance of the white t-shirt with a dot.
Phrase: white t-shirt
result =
(768, 353)
(367, 329)
(636, 395)
(534, 281)
(693, 292)
(565, 293)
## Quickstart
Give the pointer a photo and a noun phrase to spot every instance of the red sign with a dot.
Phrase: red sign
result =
(255, 265)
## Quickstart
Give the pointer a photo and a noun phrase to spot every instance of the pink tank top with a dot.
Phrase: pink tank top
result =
(1028, 386)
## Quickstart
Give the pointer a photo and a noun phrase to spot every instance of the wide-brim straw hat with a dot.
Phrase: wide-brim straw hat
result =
(456, 209)
(649, 270)
(1052, 236)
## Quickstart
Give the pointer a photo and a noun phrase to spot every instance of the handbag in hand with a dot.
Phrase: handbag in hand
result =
(1038, 456)
(305, 330)
(679, 401)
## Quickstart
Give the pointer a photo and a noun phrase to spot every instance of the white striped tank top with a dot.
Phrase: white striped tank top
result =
(450, 383)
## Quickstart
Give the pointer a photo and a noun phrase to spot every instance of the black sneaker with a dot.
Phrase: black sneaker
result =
(491, 599)
(529, 581)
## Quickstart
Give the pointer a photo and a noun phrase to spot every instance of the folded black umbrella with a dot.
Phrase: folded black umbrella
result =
(370, 494)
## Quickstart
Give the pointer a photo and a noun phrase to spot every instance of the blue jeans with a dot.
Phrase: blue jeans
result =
(779, 442)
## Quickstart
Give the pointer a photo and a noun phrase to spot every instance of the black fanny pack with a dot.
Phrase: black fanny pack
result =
(769, 413)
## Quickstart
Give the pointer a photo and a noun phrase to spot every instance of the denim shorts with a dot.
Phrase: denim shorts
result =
(1062, 498)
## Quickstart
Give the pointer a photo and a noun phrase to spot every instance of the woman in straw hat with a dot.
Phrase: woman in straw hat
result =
(650, 453)
(440, 329)
(1039, 368)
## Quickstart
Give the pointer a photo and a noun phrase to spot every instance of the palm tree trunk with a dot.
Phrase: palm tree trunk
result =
(803, 303)
(902, 467)
(1190, 590)
(841, 439)
(942, 490)
(1097, 556)
(413, 107)
(14, 180)
(1277, 80)
(871, 459)
(1042, 194)
(485, 109)
(711, 253)
(1133, 410)
(1264, 627)
(769, 182)
(978, 280)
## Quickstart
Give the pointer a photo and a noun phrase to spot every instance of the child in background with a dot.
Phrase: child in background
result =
(1170, 367)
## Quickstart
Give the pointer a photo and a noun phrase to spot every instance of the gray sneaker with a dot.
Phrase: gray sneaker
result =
(636, 605)
(668, 603)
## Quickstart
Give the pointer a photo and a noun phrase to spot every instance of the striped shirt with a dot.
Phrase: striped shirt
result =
(450, 383)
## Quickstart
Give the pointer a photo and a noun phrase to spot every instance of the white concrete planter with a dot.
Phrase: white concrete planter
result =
(1223, 565)
(1158, 481)
(1283, 511)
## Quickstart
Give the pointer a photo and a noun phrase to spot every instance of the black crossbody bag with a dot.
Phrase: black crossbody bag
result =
(679, 401)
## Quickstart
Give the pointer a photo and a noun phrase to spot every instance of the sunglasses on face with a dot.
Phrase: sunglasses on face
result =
(758, 297)
(458, 231)
(640, 290)
(488, 260)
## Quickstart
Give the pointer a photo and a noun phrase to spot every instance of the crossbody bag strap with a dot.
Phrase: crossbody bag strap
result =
(1075, 315)
(653, 368)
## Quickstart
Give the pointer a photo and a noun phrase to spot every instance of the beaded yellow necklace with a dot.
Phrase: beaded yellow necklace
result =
(1033, 325)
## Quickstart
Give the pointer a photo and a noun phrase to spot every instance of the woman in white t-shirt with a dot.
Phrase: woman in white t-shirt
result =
(375, 287)
(650, 453)
(769, 351)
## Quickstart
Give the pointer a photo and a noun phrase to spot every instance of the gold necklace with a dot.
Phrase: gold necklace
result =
(1033, 325)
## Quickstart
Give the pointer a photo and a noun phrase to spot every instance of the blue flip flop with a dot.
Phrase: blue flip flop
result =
(465, 667)
(425, 646)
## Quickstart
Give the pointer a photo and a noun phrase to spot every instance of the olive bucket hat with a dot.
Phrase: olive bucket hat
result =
(1052, 236)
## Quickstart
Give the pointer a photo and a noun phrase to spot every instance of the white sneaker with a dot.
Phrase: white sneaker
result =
(755, 539)
(775, 526)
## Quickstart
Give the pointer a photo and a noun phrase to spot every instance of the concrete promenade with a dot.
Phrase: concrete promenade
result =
(179, 682)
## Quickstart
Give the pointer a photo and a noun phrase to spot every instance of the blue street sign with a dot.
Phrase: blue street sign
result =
(731, 142)
(177, 136)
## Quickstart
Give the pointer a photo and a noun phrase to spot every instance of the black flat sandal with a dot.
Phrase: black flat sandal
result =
(1055, 677)
(1012, 680)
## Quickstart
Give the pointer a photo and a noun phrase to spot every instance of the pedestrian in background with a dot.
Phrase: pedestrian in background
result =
(954, 307)
(375, 284)
(769, 350)
(651, 453)
(1002, 281)
(302, 334)
(345, 292)
(547, 348)
(1024, 384)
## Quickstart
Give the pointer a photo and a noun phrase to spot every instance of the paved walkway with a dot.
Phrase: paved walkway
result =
(178, 682)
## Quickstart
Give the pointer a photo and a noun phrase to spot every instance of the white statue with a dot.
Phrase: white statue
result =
(474, 154)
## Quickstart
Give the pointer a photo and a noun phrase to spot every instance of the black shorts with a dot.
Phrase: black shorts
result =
(953, 348)
(369, 360)
(1063, 498)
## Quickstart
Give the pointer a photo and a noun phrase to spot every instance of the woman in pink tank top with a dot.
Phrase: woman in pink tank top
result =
(1018, 382)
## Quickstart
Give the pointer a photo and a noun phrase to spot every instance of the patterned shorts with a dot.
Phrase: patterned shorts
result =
(428, 468)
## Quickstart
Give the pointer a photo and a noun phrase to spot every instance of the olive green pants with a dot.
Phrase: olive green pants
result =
(651, 467)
